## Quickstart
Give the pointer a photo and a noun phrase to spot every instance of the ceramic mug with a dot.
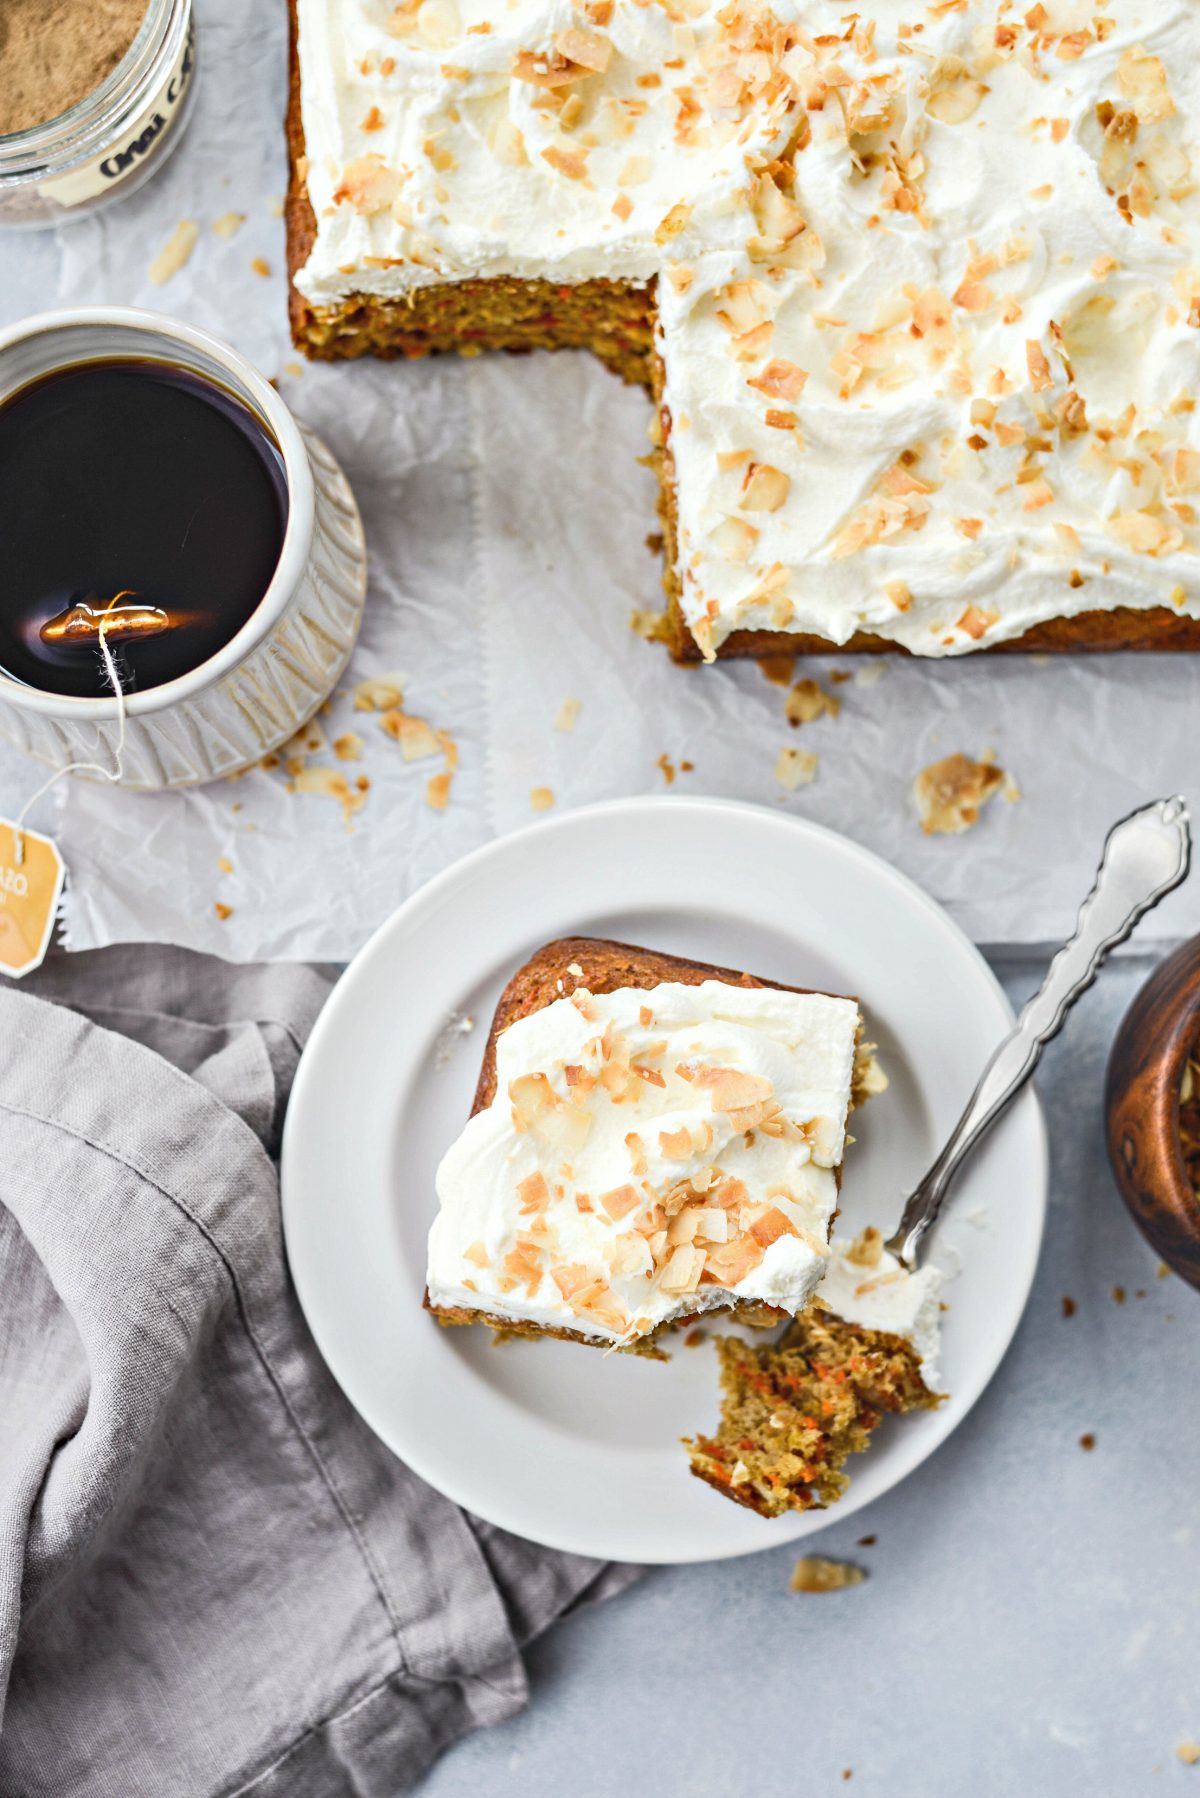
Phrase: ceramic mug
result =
(268, 680)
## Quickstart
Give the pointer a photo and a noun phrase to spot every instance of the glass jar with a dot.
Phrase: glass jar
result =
(110, 141)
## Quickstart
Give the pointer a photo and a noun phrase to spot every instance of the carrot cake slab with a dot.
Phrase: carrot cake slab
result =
(916, 286)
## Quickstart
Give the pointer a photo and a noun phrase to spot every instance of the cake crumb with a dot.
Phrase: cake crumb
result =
(795, 768)
(457, 1026)
(541, 799)
(951, 793)
(437, 791)
(260, 266)
(224, 864)
(867, 1541)
(223, 911)
(809, 701)
(174, 253)
(1068, 1306)
(1118, 1295)
(1189, 1753)
(666, 768)
(380, 693)
(416, 736)
(1087, 1442)
(329, 784)
(567, 713)
(653, 627)
(229, 224)
(870, 672)
(694, 1338)
(813, 1573)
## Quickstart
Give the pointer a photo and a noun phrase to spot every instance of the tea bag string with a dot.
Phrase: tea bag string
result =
(114, 773)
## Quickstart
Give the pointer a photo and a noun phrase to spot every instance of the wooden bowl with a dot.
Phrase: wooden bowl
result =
(1141, 1100)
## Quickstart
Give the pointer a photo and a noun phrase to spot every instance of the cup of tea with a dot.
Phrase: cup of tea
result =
(167, 525)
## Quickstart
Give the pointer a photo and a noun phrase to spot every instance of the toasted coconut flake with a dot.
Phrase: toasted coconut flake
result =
(674, 224)
(977, 622)
(683, 1226)
(620, 1201)
(331, 784)
(534, 1193)
(571, 163)
(175, 252)
(813, 1573)
(780, 379)
(368, 185)
(676, 1145)
(683, 1269)
(588, 49)
(796, 768)
(956, 101)
(416, 737)
(478, 1254)
(732, 1089)
(507, 144)
(1146, 534)
(531, 1096)
(770, 1225)
(951, 793)
(764, 488)
(867, 1248)
(571, 1277)
(379, 693)
(728, 1263)
(1039, 368)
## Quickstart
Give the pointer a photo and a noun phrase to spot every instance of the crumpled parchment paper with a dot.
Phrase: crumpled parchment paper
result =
(506, 516)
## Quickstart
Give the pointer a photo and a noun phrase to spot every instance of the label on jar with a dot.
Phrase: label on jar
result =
(31, 884)
(138, 140)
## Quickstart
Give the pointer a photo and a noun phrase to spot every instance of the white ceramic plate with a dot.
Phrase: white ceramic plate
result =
(556, 1441)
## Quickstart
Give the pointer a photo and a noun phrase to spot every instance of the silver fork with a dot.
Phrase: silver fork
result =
(1145, 856)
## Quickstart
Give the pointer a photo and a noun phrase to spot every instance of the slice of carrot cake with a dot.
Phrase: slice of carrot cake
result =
(793, 1411)
(653, 1139)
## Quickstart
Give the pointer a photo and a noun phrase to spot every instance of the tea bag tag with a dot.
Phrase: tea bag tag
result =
(32, 873)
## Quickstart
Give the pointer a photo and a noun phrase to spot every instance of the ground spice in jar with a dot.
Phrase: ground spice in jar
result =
(53, 53)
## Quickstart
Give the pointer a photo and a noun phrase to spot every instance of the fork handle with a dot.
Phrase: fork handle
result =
(1145, 856)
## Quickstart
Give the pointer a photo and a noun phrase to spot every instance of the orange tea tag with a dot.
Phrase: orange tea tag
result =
(31, 884)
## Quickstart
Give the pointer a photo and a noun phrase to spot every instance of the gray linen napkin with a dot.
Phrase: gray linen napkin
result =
(213, 1578)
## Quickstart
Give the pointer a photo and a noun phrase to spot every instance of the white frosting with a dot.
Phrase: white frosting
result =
(586, 1167)
(979, 244)
(886, 1297)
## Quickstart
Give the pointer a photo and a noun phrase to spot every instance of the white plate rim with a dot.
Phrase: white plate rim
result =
(305, 1092)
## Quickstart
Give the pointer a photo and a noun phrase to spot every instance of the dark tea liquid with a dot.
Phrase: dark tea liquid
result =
(138, 479)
